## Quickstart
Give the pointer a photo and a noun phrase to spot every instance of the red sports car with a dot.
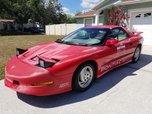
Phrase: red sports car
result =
(72, 63)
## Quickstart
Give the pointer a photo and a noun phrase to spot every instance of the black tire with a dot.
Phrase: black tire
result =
(135, 57)
(77, 78)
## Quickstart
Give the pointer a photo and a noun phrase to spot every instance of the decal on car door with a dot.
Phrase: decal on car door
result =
(122, 46)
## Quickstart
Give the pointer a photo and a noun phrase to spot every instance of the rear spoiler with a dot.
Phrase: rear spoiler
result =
(137, 33)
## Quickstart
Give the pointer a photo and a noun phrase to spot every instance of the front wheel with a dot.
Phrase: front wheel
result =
(83, 77)
(136, 54)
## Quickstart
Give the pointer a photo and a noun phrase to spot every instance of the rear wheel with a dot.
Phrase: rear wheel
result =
(136, 54)
(83, 77)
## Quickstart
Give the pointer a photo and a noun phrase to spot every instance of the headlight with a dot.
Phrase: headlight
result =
(20, 51)
(42, 64)
(45, 64)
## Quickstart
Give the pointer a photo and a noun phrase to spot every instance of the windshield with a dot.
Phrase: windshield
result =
(85, 36)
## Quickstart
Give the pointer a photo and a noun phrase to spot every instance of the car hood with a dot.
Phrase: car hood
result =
(55, 51)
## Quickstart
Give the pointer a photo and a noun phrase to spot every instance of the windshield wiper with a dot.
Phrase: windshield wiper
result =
(64, 42)
(78, 44)
(82, 44)
(71, 43)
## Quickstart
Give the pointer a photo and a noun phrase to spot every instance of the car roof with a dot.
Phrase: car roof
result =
(103, 26)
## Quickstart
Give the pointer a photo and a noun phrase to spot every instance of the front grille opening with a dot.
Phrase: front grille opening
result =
(16, 82)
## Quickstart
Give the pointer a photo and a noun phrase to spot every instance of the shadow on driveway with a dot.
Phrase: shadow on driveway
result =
(101, 85)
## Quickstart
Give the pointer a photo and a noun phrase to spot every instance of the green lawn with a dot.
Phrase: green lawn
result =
(8, 45)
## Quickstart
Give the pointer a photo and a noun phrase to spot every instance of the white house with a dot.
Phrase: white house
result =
(134, 14)
(88, 18)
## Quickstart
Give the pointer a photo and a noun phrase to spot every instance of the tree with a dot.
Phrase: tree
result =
(78, 13)
(68, 19)
(54, 12)
(37, 10)
(5, 9)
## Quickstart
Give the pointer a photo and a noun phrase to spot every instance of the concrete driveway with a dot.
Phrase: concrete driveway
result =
(126, 90)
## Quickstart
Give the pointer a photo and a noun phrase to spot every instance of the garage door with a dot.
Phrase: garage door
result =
(142, 21)
(88, 22)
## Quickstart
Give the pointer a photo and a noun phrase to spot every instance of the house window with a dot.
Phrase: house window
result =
(147, 14)
(138, 16)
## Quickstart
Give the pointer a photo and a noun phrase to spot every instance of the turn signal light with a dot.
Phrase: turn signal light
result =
(43, 83)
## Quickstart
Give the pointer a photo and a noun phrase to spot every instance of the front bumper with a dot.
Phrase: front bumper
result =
(36, 91)
(21, 76)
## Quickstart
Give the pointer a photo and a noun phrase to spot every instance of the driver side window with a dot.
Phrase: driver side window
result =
(118, 34)
(122, 35)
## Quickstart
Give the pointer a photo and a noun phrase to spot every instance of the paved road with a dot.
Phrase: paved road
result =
(126, 90)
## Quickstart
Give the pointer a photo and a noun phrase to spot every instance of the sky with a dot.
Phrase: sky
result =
(73, 6)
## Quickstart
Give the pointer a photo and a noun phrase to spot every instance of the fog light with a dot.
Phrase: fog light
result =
(43, 83)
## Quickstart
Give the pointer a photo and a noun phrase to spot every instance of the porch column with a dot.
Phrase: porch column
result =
(97, 18)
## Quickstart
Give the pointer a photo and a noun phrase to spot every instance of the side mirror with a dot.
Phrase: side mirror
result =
(111, 42)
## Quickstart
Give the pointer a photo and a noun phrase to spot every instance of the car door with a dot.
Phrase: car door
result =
(124, 45)
(115, 55)
(109, 56)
